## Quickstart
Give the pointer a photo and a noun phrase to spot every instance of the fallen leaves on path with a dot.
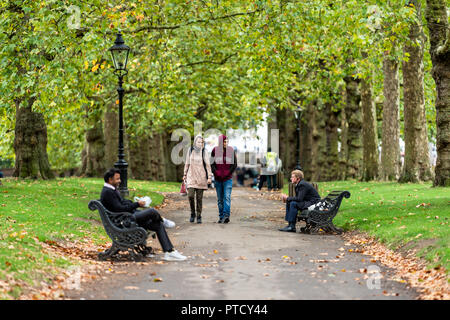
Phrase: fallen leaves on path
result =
(431, 283)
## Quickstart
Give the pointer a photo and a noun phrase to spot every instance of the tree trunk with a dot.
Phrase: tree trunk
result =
(287, 135)
(436, 15)
(94, 152)
(417, 159)
(343, 152)
(30, 144)
(370, 136)
(111, 132)
(140, 158)
(332, 139)
(171, 171)
(306, 143)
(314, 140)
(354, 133)
(320, 139)
(390, 148)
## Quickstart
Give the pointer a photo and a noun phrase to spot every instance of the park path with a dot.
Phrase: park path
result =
(245, 259)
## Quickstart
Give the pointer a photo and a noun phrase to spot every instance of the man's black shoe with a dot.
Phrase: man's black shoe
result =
(192, 218)
(221, 220)
(288, 229)
(226, 220)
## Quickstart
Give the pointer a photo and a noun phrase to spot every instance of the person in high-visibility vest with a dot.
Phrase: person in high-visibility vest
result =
(269, 170)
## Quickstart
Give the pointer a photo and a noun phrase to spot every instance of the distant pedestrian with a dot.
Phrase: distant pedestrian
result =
(269, 168)
(198, 175)
(223, 165)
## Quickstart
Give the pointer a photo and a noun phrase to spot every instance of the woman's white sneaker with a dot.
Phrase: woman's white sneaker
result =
(174, 256)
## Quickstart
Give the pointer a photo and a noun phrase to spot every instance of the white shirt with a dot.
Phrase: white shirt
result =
(109, 186)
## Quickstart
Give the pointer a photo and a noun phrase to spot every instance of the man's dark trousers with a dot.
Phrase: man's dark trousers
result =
(292, 208)
(150, 219)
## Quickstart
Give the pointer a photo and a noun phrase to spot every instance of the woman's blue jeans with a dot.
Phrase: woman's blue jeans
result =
(223, 190)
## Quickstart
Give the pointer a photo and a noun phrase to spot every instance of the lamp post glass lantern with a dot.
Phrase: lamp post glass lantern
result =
(119, 53)
(298, 114)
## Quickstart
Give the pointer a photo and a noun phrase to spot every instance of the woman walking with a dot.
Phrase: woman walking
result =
(197, 176)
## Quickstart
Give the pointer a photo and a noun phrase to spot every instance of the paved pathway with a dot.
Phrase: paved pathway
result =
(245, 259)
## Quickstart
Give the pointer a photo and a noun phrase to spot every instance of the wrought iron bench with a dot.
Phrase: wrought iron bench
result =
(321, 217)
(125, 234)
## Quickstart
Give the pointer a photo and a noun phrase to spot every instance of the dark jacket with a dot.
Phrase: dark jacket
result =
(113, 202)
(224, 163)
(305, 192)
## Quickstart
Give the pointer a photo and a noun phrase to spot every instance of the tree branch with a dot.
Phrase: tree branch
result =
(148, 28)
(223, 61)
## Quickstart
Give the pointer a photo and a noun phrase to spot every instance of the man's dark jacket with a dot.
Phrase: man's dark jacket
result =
(305, 192)
(112, 201)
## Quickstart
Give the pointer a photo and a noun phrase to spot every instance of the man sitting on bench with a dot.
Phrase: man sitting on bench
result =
(305, 196)
(148, 219)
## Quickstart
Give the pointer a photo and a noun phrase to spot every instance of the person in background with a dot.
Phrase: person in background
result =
(223, 165)
(197, 175)
(269, 170)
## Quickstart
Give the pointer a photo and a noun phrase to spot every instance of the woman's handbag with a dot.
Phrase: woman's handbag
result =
(183, 191)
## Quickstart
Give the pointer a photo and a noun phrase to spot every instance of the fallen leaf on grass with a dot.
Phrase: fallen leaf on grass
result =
(152, 290)
(220, 281)
(157, 280)
(131, 288)
(166, 295)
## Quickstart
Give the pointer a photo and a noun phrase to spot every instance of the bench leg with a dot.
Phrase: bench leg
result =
(108, 252)
(135, 255)
(145, 250)
(336, 229)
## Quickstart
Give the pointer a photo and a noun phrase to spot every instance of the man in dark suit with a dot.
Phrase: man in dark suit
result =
(305, 196)
(149, 219)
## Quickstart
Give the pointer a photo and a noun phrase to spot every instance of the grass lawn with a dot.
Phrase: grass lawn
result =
(398, 215)
(36, 212)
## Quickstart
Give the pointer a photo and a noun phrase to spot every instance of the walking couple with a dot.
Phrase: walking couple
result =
(198, 173)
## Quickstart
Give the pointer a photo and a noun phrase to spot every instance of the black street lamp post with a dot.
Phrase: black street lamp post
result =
(119, 52)
(298, 114)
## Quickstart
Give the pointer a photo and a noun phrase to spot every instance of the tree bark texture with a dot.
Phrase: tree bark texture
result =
(30, 144)
(354, 134)
(436, 15)
(320, 149)
(94, 152)
(369, 130)
(111, 134)
(343, 152)
(417, 160)
(314, 139)
(306, 143)
(332, 139)
(390, 148)
(287, 134)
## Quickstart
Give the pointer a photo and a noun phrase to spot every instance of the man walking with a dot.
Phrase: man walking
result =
(223, 165)
(305, 196)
